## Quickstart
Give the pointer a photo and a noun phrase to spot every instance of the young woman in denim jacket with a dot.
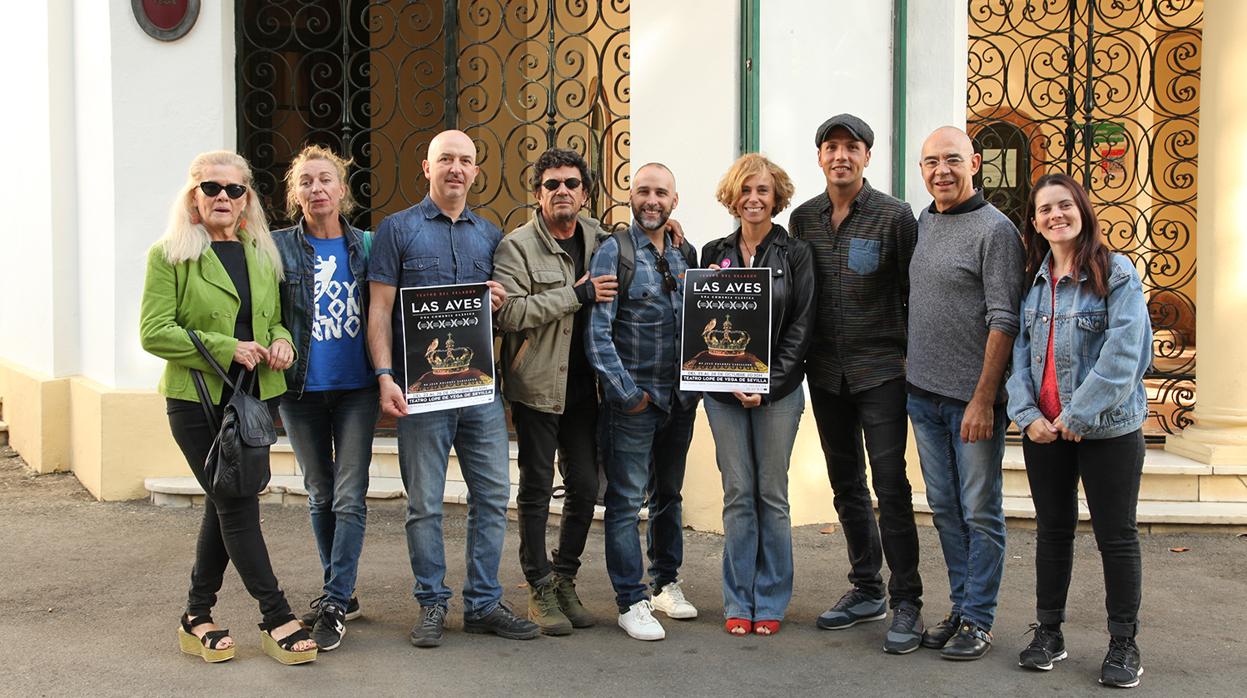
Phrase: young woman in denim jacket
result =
(331, 408)
(1077, 393)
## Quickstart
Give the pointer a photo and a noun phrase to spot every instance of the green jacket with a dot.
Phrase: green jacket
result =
(537, 317)
(199, 295)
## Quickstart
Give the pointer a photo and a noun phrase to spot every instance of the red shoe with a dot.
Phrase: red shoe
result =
(738, 626)
(766, 627)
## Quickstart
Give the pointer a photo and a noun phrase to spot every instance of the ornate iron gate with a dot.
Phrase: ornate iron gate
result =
(1108, 92)
(377, 80)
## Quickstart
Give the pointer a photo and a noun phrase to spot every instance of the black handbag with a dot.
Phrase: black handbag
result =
(237, 464)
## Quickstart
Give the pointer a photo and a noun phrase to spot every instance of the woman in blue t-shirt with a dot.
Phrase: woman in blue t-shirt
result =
(330, 411)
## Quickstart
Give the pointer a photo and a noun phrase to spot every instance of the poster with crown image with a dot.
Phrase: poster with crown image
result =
(726, 338)
(448, 347)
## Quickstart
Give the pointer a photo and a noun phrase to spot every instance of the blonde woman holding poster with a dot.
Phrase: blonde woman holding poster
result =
(754, 433)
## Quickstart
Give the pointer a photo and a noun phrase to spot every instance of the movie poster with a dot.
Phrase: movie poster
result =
(448, 342)
(727, 330)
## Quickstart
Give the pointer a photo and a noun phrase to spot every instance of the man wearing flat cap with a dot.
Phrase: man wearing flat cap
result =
(863, 240)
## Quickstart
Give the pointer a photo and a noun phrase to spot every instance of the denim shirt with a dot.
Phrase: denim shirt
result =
(298, 306)
(1102, 349)
(421, 246)
(634, 342)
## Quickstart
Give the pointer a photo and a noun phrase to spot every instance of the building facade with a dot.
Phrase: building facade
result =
(1111, 92)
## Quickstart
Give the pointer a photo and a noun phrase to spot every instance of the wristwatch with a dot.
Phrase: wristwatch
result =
(383, 372)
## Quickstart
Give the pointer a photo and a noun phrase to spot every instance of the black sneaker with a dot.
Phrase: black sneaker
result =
(309, 619)
(1046, 647)
(329, 627)
(1122, 666)
(502, 622)
(938, 635)
(854, 607)
(906, 632)
(970, 642)
(428, 632)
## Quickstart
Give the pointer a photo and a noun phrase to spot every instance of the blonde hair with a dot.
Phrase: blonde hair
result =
(317, 152)
(749, 165)
(184, 240)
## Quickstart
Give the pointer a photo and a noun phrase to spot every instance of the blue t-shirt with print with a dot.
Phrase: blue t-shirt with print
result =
(338, 359)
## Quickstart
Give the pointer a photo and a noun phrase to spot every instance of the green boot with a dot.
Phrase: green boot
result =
(543, 609)
(569, 602)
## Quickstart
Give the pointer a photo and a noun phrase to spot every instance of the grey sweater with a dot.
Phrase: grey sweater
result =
(965, 280)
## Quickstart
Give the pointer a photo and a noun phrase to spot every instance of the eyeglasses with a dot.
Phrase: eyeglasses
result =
(233, 191)
(573, 183)
(669, 284)
(930, 163)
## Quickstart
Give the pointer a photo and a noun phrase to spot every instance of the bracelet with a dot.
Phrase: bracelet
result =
(383, 372)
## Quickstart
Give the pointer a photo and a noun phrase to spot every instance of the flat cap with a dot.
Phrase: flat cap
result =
(855, 126)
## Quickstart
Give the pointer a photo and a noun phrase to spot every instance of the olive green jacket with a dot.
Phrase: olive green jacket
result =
(199, 295)
(537, 317)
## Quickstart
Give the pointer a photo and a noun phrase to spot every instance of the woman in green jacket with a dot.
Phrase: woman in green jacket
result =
(216, 272)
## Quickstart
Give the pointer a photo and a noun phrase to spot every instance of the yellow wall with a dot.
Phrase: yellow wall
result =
(110, 439)
(35, 408)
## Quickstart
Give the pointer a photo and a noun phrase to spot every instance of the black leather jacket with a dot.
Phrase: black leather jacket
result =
(792, 305)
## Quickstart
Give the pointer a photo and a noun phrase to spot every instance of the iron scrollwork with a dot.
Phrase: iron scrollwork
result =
(1108, 92)
(376, 80)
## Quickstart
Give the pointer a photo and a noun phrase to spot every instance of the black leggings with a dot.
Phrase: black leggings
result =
(230, 528)
(1110, 470)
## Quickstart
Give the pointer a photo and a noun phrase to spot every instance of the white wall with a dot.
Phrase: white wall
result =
(684, 101)
(820, 58)
(27, 242)
(936, 82)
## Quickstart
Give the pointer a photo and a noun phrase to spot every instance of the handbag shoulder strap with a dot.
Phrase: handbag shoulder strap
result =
(208, 357)
(205, 399)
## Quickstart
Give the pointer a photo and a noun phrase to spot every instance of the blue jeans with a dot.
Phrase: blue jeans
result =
(645, 455)
(753, 448)
(964, 490)
(331, 432)
(479, 436)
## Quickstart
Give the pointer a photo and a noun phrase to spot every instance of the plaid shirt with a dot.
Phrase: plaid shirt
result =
(634, 342)
(862, 270)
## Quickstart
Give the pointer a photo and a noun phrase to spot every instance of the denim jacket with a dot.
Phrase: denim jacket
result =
(298, 306)
(1103, 347)
(633, 342)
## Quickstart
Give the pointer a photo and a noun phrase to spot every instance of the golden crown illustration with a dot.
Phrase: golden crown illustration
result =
(449, 359)
(724, 341)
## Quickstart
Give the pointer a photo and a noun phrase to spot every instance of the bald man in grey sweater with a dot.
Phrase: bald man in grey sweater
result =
(965, 289)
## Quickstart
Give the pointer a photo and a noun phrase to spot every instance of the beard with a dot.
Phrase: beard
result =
(640, 217)
(563, 216)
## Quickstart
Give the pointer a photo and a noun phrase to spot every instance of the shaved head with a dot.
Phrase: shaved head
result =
(949, 164)
(451, 169)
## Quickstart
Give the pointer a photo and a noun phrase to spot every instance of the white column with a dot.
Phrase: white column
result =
(1219, 435)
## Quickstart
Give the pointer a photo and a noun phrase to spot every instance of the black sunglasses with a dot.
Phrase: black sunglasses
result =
(573, 183)
(233, 191)
(669, 283)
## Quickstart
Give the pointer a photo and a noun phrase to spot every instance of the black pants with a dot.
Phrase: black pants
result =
(879, 415)
(230, 529)
(1110, 470)
(573, 435)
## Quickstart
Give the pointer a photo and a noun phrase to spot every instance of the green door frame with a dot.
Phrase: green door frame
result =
(750, 42)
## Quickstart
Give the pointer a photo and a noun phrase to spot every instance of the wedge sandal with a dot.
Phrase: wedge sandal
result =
(209, 646)
(282, 650)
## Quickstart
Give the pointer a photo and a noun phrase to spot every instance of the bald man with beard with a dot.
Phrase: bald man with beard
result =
(437, 242)
(965, 289)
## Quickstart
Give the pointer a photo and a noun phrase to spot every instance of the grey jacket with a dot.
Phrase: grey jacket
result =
(537, 317)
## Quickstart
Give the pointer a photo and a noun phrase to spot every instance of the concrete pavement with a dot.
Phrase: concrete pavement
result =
(90, 594)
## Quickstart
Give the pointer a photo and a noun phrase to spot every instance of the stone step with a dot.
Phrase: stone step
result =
(384, 460)
(288, 489)
(1204, 513)
(4, 433)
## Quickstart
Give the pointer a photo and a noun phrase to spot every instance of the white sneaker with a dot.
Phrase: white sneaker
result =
(672, 602)
(639, 622)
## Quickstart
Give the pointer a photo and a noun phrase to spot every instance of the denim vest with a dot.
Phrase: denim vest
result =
(1102, 349)
(298, 305)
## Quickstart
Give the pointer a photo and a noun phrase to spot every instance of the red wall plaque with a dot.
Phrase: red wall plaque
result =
(166, 20)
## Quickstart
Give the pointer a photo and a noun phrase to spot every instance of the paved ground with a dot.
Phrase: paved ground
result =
(90, 594)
